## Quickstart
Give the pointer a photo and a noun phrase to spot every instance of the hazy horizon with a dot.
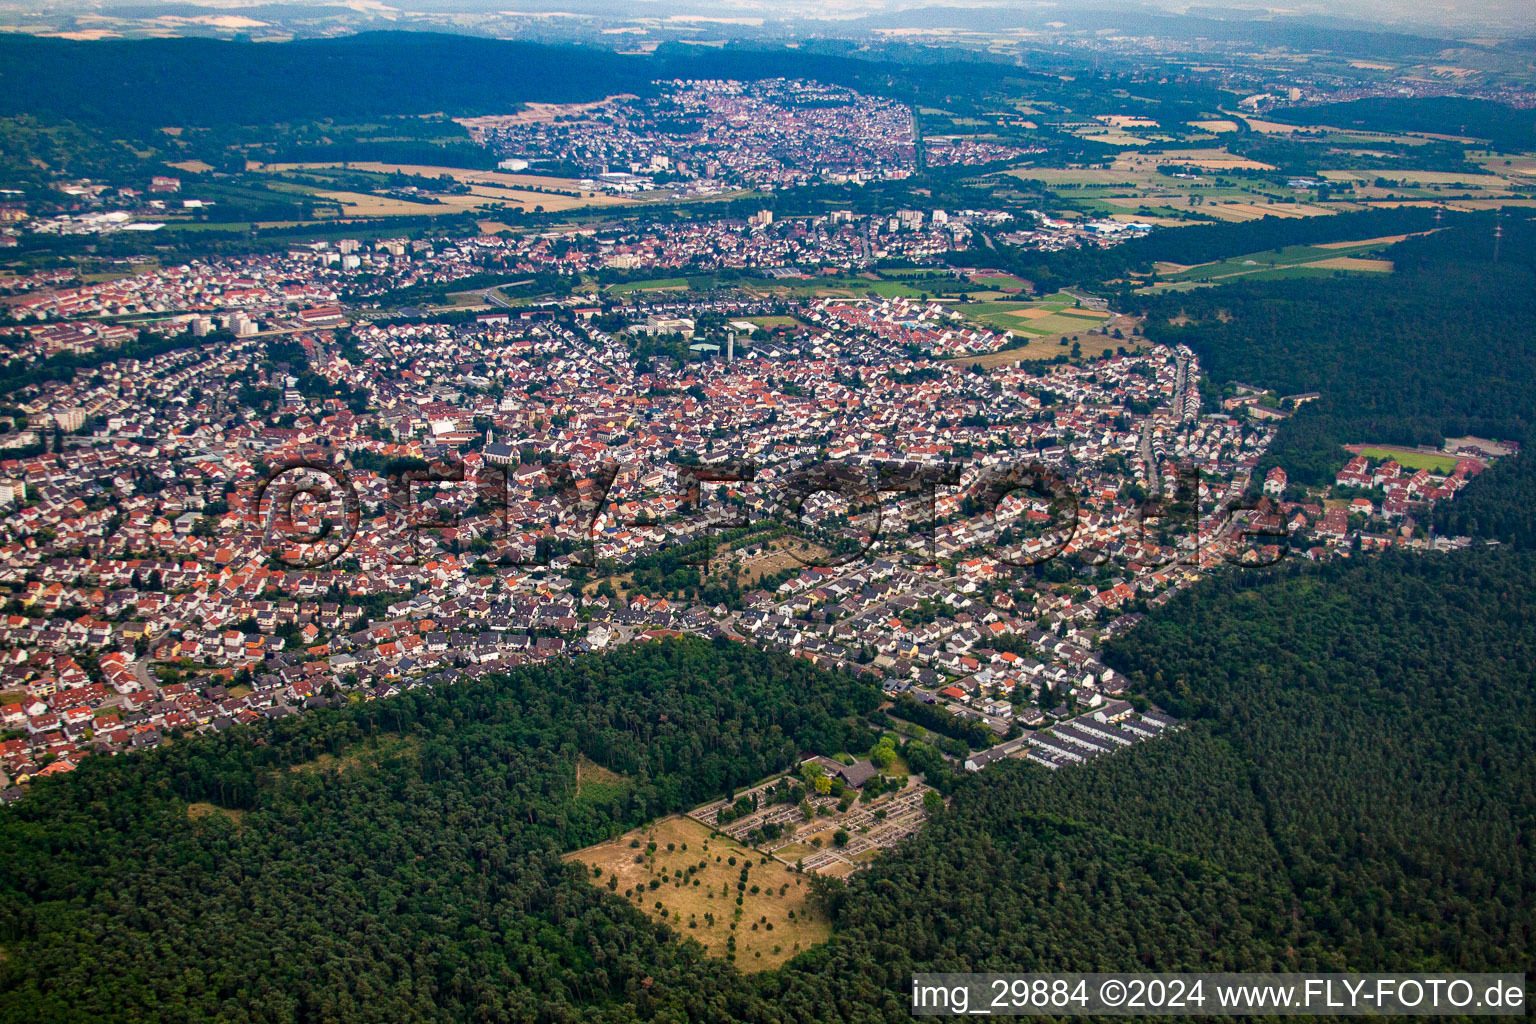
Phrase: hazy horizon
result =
(1497, 17)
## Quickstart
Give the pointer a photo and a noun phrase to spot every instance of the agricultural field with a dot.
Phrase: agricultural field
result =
(680, 873)
(1054, 315)
(1036, 350)
(1226, 187)
(1431, 185)
(1041, 325)
(1234, 189)
(1292, 260)
(472, 177)
(354, 189)
(1236, 210)
(1215, 127)
(999, 281)
(362, 204)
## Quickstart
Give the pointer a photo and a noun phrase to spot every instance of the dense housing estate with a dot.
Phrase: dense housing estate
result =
(157, 589)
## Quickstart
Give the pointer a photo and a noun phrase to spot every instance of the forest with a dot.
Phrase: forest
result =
(129, 83)
(1499, 505)
(1348, 794)
(1504, 126)
(397, 860)
(1399, 358)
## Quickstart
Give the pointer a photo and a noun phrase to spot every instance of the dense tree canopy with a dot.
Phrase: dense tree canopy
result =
(1090, 266)
(1441, 348)
(398, 860)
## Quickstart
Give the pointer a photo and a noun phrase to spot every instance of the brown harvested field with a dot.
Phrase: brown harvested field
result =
(1162, 222)
(1383, 240)
(1354, 263)
(1519, 163)
(700, 902)
(1477, 181)
(1488, 204)
(1274, 127)
(1110, 136)
(192, 166)
(1254, 211)
(1215, 159)
(536, 113)
(1217, 127)
(362, 204)
(1030, 353)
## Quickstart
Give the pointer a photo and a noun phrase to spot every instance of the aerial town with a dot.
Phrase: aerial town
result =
(665, 512)
(305, 496)
(712, 135)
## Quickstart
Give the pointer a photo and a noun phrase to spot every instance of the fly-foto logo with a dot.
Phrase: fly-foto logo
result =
(1020, 515)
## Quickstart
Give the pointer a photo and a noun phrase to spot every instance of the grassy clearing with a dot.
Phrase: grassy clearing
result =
(596, 784)
(659, 867)
(203, 809)
(368, 754)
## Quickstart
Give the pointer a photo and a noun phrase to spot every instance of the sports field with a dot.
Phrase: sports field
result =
(1411, 459)
(658, 284)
